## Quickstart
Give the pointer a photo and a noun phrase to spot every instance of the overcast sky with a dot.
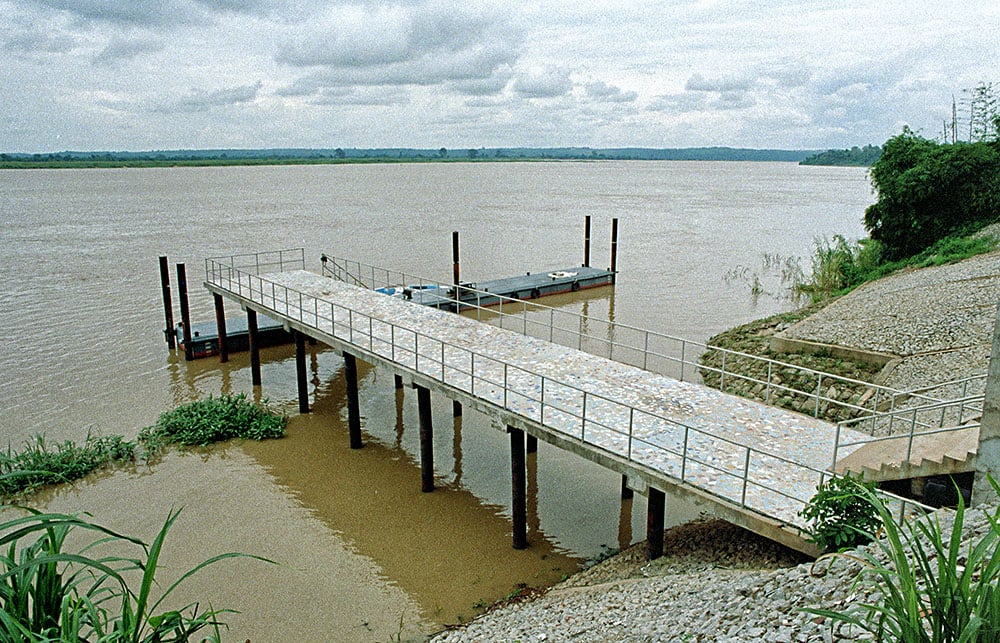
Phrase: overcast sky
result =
(793, 74)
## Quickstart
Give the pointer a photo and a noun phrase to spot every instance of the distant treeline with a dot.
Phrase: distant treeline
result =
(856, 156)
(388, 155)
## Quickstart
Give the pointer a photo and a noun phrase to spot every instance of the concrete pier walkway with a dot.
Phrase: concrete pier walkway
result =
(755, 465)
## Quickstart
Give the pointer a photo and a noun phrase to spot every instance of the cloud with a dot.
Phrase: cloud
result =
(146, 13)
(35, 42)
(548, 82)
(698, 83)
(403, 44)
(362, 96)
(200, 101)
(602, 92)
(121, 50)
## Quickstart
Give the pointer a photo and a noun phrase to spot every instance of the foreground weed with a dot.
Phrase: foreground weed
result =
(48, 594)
(929, 586)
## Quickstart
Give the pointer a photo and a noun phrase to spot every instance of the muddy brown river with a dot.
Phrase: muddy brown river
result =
(362, 554)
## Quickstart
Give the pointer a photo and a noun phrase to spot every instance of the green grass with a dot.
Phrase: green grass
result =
(39, 464)
(839, 266)
(199, 423)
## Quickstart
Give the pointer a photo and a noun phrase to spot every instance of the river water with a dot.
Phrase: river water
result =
(363, 554)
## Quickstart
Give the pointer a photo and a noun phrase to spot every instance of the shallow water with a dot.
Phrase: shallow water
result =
(83, 351)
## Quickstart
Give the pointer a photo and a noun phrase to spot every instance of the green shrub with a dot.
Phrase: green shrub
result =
(212, 420)
(840, 515)
(929, 586)
(927, 191)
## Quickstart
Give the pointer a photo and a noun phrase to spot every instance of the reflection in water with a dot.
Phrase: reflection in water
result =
(456, 451)
(447, 549)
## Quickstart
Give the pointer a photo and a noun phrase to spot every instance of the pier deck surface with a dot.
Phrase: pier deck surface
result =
(746, 457)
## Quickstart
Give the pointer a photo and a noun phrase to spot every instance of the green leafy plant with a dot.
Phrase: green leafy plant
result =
(49, 594)
(930, 586)
(212, 420)
(840, 515)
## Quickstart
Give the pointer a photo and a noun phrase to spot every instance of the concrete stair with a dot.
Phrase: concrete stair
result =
(930, 455)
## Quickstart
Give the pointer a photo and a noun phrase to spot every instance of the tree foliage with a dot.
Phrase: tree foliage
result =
(928, 190)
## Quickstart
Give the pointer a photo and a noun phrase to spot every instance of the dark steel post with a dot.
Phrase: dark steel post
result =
(300, 371)
(614, 250)
(426, 439)
(220, 324)
(182, 295)
(254, 347)
(168, 308)
(532, 444)
(518, 478)
(397, 381)
(454, 259)
(353, 404)
(656, 502)
(586, 241)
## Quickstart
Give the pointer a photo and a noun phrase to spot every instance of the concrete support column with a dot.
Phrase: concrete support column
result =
(988, 456)
(353, 404)
(654, 523)
(254, 347)
(519, 510)
(426, 439)
(531, 445)
(300, 371)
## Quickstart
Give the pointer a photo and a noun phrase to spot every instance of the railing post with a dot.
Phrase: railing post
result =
(631, 424)
(746, 478)
(645, 354)
(583, 419)
(684, 453)
(819, 391)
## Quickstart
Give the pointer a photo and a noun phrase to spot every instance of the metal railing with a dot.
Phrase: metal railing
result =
(258, 262)
(649, 350)
(881, 411)
(755, 479)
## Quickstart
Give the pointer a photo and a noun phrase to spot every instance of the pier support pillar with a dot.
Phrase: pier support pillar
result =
(254, 347)
(531, 444)
(397, 381)
(300, 371)
(456, 409)
(627, 493)
(586, 241)
(182, 296)
(220, 325)
(988, 455)
(518, 478)
(353, 402)
(654, 523)
(168, 308)
(426, 439)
